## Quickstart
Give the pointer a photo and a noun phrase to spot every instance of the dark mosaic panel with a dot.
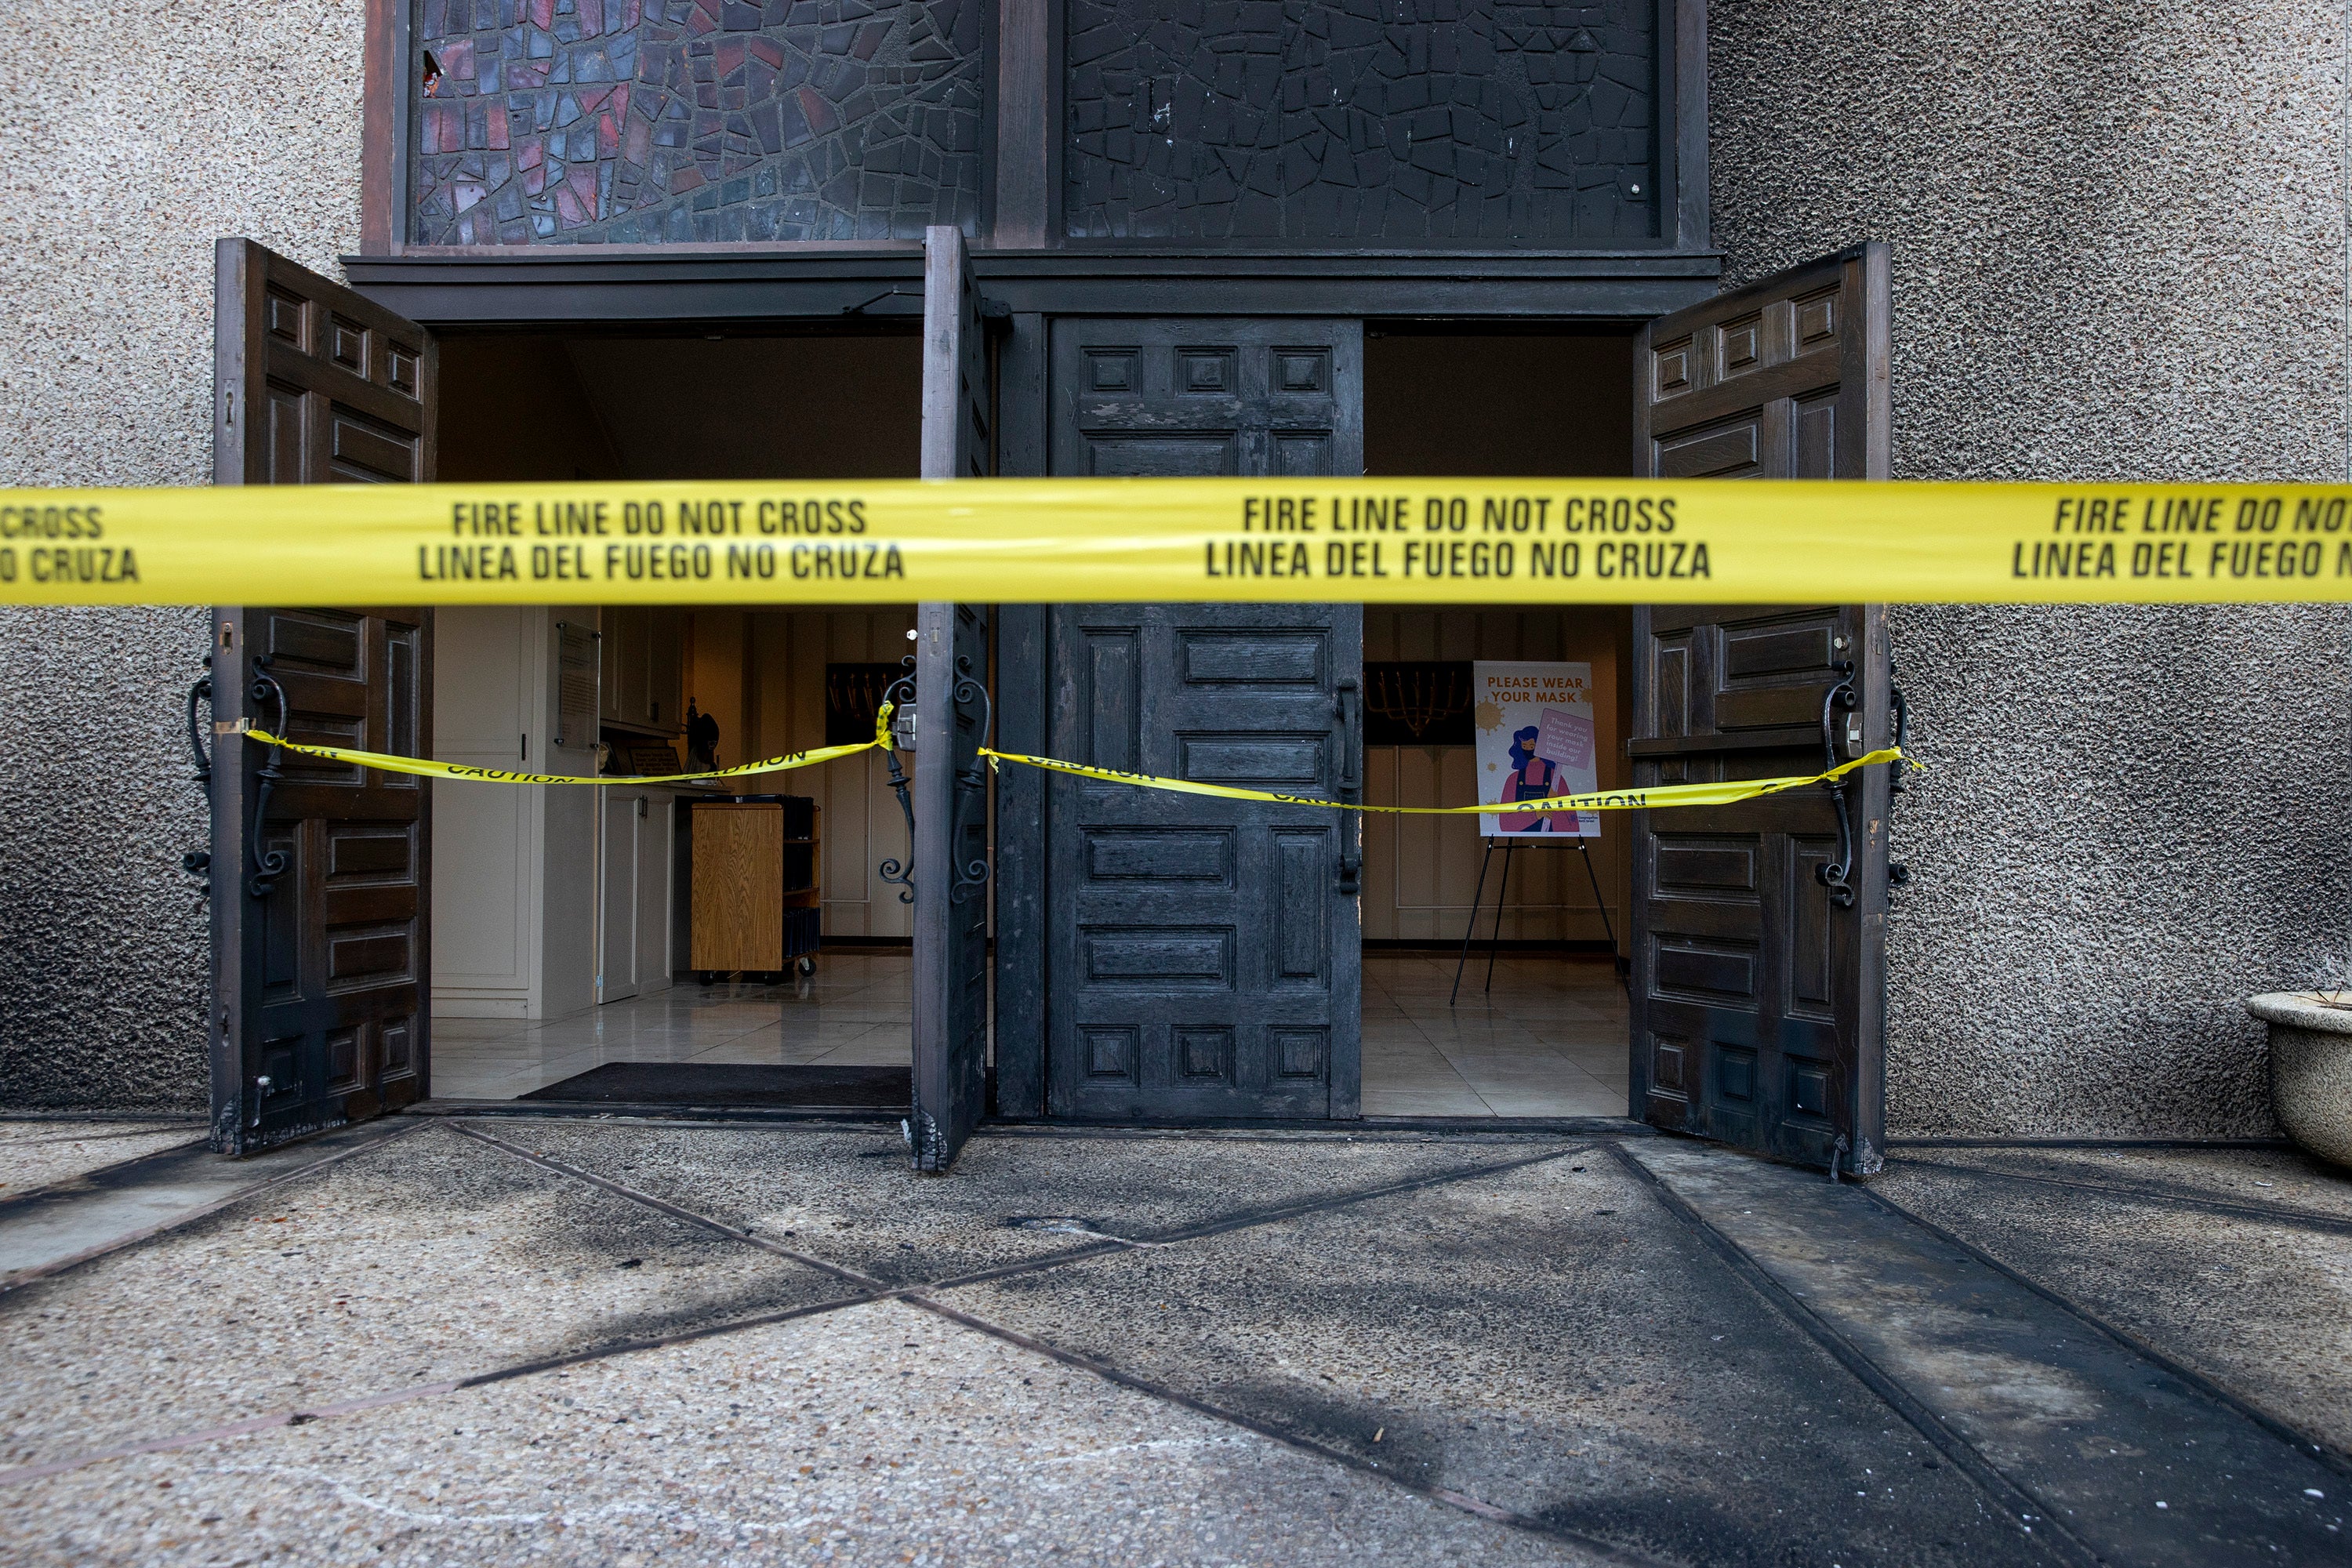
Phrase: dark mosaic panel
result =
(1361, 121)
(665, 121)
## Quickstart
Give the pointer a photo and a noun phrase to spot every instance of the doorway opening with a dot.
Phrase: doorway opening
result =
(1537, 1026)
(727, 944)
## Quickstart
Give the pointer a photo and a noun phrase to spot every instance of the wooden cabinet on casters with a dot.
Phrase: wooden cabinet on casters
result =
(757, 886)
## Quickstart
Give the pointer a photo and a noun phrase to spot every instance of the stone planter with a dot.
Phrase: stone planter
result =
(2311, 1070)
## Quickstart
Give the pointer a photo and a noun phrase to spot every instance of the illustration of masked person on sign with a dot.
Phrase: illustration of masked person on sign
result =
(1530, 779)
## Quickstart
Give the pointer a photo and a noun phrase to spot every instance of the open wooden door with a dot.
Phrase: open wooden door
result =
(951, 704)
(321, 1011)
(1759, 989)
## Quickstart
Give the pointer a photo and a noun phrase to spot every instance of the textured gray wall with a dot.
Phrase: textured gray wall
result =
(2119, 251)
(134, 135)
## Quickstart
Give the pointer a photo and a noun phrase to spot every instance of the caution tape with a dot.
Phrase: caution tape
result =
(1433, 540)
(1654, 797)
(425, 767)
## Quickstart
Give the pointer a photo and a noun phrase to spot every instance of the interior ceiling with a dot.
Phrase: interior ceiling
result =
(756, 408)
(1498, 404)
(534, 407)
(540, 407)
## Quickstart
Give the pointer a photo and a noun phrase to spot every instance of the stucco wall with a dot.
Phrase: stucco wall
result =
(134, 135)
(2119, 251)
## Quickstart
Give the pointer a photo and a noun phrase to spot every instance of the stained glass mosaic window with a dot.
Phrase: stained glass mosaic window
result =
(680, 121)
(1361, 121)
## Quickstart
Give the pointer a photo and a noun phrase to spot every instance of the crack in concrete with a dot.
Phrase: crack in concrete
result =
(2276, 1426)
(870, 1291)
(370, 1137)
(2005, 1495)
(2046, 1535)
(1477, 1507)
(2281, 1214)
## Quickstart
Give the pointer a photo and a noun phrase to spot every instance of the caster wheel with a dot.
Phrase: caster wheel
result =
(808, 966)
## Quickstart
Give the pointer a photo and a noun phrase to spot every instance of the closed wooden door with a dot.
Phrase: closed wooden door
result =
(322, 949)
(1760, 929)
(1203, 954)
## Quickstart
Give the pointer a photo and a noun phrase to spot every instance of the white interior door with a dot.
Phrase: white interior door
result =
(617, 902)
(653, 890)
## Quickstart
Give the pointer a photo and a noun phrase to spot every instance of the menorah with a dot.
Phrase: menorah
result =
(1417, 695)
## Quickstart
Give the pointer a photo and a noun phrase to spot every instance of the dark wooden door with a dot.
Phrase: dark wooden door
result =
(1759, 929)
(321, 946)
(1203, 954)
(950, 788)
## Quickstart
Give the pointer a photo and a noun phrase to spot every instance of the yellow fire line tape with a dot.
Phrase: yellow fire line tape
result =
(1434, 540)
(1655, 798)
(425, 767)
(1651, 798)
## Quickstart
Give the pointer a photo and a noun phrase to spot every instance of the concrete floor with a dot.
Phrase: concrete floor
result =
(1547, 1039)
(36, 1152)
(531, 1339)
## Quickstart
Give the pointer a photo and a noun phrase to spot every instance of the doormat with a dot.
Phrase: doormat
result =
(810, 1088)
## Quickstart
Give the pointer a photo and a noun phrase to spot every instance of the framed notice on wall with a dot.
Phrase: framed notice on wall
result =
(1536, 738)
(578, 673)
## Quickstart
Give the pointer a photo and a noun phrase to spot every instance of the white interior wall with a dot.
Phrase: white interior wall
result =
(715, 679)
(786, 654)
(515, 868)
(515, 880)
(1421, 872)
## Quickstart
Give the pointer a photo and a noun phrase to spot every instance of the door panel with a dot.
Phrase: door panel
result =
(321, 936)
(951, 788)
(618, 897)
(1203, 954)
(1759, 929)
(657, 841)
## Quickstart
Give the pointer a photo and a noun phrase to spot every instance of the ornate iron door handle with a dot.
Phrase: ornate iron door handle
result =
(1901, 709)
(202, 691)
(197, 862)
(1898, 875)
(1835, 874)
(268, 865)
(899, 693)
(971, 786)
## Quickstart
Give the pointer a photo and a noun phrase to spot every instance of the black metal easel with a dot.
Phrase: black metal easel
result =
(1502, 893)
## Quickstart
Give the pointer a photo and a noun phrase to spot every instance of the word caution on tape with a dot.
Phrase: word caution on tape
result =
(1645, 798)
(1078, 540)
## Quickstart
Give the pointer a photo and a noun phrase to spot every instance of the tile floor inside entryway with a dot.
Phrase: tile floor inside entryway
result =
(855, 1011)
(1549, 1038)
